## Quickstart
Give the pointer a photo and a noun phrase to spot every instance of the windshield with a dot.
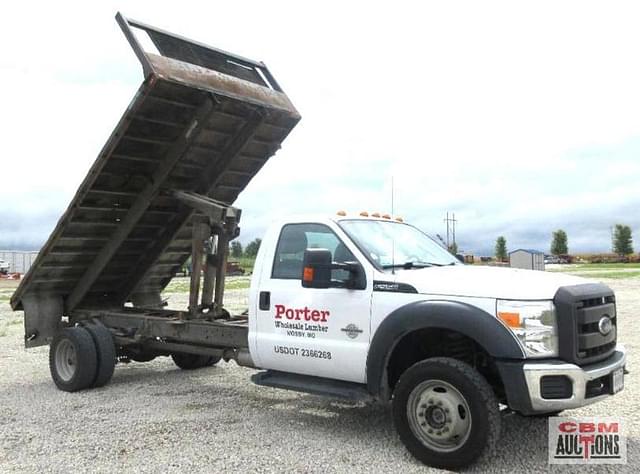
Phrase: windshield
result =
(393, 244)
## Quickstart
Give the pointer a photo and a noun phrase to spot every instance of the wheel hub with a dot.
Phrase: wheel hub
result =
(439, 415)
(65, 360)
(436, 417)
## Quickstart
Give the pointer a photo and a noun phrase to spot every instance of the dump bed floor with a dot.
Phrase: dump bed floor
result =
(202, 121)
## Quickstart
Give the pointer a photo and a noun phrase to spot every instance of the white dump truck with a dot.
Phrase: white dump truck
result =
(361, 307)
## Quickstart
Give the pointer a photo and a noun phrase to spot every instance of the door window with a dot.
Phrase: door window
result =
(296, 238)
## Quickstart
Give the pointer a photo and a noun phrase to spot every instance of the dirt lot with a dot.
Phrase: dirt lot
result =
(153, 417)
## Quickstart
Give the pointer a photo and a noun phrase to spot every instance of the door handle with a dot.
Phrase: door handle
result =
(265, 300)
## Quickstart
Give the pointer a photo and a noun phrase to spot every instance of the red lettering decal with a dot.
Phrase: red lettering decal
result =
(567, 427)
(586, 441)
(301, 313)
(587, 428)
(607, 428)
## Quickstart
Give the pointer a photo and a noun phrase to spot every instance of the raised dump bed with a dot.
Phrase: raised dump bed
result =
(203, 121)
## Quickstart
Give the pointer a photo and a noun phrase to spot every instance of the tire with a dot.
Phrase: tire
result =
(143, 357)
(213, 360)
(106, 351)
(73, 359)
(437, 398)
(190, 361)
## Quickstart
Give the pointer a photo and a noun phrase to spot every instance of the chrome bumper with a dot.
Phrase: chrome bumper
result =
(580, 376)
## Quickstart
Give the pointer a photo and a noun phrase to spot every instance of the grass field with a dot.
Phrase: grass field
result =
(181, 284)
(246, 263)
(603, 266)
(7, 287)
(616, 271)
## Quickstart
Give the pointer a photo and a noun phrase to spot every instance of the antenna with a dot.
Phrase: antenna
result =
(393, 250)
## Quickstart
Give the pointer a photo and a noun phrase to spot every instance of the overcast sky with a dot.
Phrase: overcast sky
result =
(520, 118)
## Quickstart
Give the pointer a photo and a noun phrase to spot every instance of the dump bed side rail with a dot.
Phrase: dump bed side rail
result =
(203, 121)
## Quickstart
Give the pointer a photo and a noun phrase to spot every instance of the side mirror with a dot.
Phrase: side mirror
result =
(316, 271)
(316, 268)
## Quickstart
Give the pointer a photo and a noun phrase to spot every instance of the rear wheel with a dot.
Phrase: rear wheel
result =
(193, 361)
(213, 360)
(106, 351)
(445, 413)
(73, 359)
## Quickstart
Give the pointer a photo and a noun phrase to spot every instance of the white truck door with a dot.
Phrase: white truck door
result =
(321, 332)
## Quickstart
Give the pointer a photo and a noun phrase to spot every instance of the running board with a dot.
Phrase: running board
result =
(314, 385)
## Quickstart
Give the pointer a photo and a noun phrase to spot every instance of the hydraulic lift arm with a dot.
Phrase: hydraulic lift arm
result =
(214, 227)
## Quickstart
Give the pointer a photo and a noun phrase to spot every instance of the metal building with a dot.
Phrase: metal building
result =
(527, 258)
(19, 260)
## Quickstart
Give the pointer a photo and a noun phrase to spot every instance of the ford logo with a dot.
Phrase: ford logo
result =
(604, 325)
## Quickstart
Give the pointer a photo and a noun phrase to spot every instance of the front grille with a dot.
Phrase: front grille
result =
(591, 342)
(580, 309)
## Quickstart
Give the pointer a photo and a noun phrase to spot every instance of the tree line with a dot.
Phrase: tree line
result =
(250, 251)
(622, 243)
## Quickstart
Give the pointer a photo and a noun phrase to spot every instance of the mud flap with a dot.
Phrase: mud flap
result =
(42, 317)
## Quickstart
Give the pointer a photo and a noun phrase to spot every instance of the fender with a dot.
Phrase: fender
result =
(473, 322)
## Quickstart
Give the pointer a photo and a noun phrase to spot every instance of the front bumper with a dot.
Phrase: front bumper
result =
(588, 384)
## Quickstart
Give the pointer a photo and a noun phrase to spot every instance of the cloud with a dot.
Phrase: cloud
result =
(519, 118)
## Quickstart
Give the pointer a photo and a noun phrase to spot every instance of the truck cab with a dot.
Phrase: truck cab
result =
(366, 299)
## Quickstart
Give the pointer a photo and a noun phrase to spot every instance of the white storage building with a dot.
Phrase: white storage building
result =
(527, 258)
(19, 261)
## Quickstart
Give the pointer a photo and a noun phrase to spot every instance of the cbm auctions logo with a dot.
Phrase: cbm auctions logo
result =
(587, 441)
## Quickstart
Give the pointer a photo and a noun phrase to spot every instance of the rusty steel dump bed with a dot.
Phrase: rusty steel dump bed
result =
(203, 121)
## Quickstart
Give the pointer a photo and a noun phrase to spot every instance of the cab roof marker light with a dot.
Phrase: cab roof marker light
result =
(364, 214)
(375, 214)
(341, 213)
(399, 219)
(386, 216)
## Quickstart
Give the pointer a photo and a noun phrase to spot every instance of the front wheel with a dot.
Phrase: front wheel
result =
(445, 412)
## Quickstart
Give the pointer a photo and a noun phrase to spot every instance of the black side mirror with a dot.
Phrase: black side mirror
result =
(316, 271)
(316, 268)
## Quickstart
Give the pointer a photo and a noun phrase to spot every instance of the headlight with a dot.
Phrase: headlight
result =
(533, 323)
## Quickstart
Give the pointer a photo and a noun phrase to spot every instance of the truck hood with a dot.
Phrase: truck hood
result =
(486, 282)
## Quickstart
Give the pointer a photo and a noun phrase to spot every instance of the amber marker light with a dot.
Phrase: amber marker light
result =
(307, 274)
(510, 319)
(386, 216)
(364, 214)
(399, 219)
(375, 214)
(341, 213)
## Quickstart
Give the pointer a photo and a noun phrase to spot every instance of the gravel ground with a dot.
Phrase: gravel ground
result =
(153, 417)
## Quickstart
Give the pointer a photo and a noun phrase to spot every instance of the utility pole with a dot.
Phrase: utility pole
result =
(453, 223)
(451, 228)
(446, 220)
